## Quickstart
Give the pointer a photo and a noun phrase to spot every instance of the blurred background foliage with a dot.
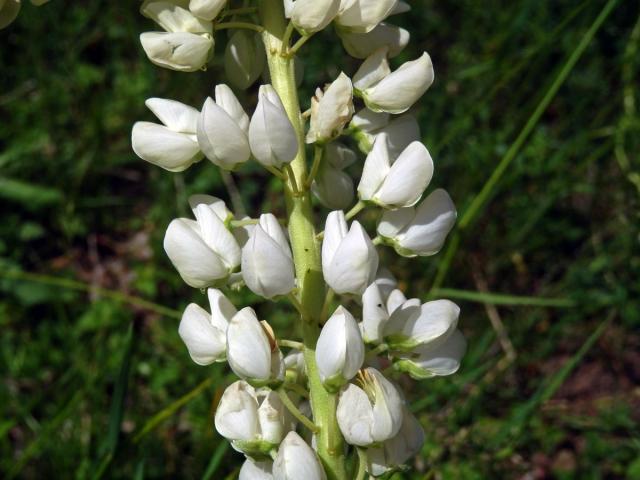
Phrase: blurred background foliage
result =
(95, 380)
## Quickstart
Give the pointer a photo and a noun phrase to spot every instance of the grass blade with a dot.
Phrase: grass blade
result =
(167, 412)
(501, 299)
(216, 459)
(105, 292)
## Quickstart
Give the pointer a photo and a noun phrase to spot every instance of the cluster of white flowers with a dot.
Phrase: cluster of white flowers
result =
(261, 413)
(9, 10)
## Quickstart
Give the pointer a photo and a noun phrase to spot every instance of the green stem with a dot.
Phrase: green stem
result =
(357, 208)
(290, 344)
(243, 25)
(305, 247)
(362, 463)
(296, 412)
(317, 160)
(298, 45)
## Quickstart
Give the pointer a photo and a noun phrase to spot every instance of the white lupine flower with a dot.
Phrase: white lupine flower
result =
(267, 263)
(330, 110)
(339, 350)
(253, 420)
(221, 131)
(172, 146)
(310, 16)
(380, 306)
(272, 138)
(205, 334)
(396, 185)
(436, 359)
(9, 10)
(361, 45)
(370, 414)
(372, 70)
(333, 187)
(254, 470)
(296, 460)
(181, 51)
(420, 230)
(202, 251)
(207, 9)
(431, 324)
(244, 58)
(214, 203)
(398, 91)
(349, 258)
(397, 450)
(252, 351)
(363, 15)
(173, 18)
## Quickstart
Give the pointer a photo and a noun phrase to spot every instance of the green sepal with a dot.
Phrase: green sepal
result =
(413, 370)
(256, 449)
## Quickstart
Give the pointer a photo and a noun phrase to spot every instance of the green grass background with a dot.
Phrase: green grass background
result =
(95, 382)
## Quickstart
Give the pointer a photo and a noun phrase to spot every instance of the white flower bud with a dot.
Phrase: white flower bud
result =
(9, 10)
(310, 16)
(37, 3)
(435, 359)
(340, 350)
(398, 91)
(396, 185)
(220, 131)
(333, 187)
(296, 460)
(272, 418)
(349, 258)
(214, 203)
(397, 450)
(267, 263)
(271, 136)
(174, 18)
(181, 51)
(202, 251)
(254, 421)
(420, 230)
(226, 99)
(370, 414)
(236, 417)
(254, 470)
(252, 351)
(361, 45)
(363, 15)
(173, 145)
(339, 156)
(244, 58)
(432, 324)
(330, 110)
(207, 9)
(204, 334)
